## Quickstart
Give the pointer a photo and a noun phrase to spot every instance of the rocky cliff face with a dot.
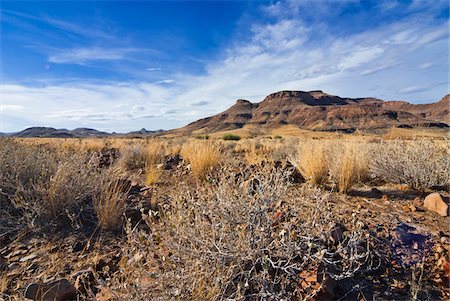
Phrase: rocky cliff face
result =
(317, 110)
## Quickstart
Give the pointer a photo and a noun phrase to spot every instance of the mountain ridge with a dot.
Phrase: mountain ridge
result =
(319, 111)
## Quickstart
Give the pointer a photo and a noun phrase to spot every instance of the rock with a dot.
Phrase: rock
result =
(159, 166)
(409, 244)
(385, 198)
(59, 290)
(376, 192)
(434, 202)
(2, 263)
(171, 162)
(337, 234)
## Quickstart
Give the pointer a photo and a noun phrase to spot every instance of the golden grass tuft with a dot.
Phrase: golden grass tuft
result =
(348, 165)
(152, 175)
(202, 155)
(311, 162)
(109, 204)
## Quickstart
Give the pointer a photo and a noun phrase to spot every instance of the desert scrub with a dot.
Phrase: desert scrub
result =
(109, 202)
(311, 161)
(421, 163)
(230, 242)
(43, 183)
(133, 157)
(231, 137)
(202, 156)
(348, 164)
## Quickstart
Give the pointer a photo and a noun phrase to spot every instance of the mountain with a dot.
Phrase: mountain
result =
(316, 110)
(49, 132)
(143, 133)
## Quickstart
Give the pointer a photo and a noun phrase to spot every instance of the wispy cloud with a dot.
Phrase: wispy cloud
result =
(10, 107)
(84, 55)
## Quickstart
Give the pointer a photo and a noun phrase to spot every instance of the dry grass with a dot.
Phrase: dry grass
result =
(311, 161)
(43, 183)
(109, 204)
(348, 164)
(155, 152)
(202, 156)
(152, 174)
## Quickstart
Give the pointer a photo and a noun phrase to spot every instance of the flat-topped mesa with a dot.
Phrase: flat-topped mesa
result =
(311, 98)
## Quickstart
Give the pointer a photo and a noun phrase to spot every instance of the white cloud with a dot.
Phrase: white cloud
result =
(9, 107)
(83, 55)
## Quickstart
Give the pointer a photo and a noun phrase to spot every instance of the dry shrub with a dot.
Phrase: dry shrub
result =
(133, 157)
(232, 243)
(311, 161)
(202, 156)
(44, 184)
(109, 203)
(348, 164)
(420, 164)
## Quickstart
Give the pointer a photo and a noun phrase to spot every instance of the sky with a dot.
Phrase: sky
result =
(125, 65)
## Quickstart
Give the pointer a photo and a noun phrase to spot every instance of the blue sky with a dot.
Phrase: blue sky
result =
(121, 66)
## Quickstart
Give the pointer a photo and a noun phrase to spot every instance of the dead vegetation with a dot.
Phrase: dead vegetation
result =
(249, 230)
(421, 164)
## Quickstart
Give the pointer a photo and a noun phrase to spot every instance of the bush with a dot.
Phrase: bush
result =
(233, 243)
(133, 157)
(202, 156)
(202, 137)
(44, 184)
(277, 137)
(231, 137)
(420, 164)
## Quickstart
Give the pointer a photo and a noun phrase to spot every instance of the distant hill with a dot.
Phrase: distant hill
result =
(49, 132)
(143, 132)
(319, 111)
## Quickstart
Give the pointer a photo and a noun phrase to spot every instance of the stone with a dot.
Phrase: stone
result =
(434, 202)
(337, 234)
(59, 290)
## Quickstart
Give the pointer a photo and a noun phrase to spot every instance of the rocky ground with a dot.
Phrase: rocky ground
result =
(408, 239)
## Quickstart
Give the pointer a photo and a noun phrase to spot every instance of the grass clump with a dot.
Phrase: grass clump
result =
(109, 203)
(311, 162)
(202, 156)
(347, 165)
(231, 137)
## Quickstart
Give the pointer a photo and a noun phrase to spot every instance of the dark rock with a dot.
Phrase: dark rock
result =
(59, 290)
